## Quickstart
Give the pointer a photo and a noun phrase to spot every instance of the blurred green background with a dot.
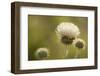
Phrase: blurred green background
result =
(41, 33)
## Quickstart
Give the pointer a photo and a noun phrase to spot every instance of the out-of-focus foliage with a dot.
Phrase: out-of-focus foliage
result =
(41, 34)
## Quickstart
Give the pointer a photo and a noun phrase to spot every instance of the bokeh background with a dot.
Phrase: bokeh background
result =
(41, 33)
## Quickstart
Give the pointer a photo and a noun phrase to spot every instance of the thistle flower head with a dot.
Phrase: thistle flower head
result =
(67, 29)
(79, 43)
(67, 32)
(42, 53)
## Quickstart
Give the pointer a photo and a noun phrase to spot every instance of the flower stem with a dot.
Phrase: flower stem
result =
(77, 54)
(67, 51)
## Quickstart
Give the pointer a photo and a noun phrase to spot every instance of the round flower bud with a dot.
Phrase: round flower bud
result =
(79, 43)
(42, 53)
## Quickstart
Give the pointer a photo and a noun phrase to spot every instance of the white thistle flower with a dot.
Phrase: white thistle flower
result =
(79, 43)
(67, 29)
(42, 53)
(67, 32)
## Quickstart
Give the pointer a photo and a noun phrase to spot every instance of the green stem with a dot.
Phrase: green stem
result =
(77, 53)
(67, 51)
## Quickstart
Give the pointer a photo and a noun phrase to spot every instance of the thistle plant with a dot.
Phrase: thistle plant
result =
(42, 53)
(67, 32)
